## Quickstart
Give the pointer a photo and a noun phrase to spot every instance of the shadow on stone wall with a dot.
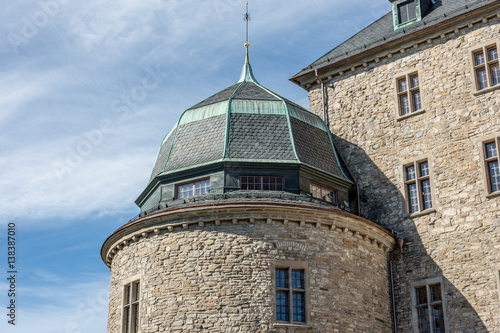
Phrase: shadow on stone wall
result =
(382, 202)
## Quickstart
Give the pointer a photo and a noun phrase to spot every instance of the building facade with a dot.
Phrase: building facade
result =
(413, 102)
(377, 212)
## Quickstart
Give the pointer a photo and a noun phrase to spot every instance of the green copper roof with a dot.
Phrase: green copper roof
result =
(247, 122)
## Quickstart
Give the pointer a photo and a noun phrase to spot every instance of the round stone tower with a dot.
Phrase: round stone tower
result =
(248, 224)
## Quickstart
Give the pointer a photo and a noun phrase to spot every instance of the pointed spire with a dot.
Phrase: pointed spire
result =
(246, 73)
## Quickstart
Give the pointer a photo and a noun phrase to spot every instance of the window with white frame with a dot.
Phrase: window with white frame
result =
(290, 284)
(131, 300)
(486, 67)
(197, 187)
(428, 307)
(409, 96)
(418, 190)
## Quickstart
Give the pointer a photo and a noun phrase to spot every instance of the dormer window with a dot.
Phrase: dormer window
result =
(191, 189)
(407, 11)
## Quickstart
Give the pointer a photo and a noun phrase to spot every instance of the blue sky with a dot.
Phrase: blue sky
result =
(88, 90)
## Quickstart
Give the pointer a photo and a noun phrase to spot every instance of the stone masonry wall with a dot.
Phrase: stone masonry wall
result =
(218, 278)
(460, 239)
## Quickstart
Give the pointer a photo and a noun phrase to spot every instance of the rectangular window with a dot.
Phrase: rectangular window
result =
(486, 67)
(261, 183)
(409, 94)
(407, 11)
(418, 186)
(324, 193)
(490, 154)
(290, 295)
(131, 299)
(428, 308)
(191, 189)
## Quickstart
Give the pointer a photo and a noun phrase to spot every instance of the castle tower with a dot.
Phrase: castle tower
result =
(413, 100)
(249, 224)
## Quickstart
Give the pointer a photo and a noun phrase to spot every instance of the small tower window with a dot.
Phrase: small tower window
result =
(191, 189)
(261, 183)
(407, 11)
(324, 193)
(131, 299)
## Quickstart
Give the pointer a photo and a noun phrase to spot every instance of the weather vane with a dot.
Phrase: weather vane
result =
(246, 17)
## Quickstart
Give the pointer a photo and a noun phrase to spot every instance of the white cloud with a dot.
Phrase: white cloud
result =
(53, 306)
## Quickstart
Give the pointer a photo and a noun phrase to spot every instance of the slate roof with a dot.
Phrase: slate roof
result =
(382, 31)
(247, 122)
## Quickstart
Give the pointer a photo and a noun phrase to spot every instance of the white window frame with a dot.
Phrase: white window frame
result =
(418, 180)
(427, 283)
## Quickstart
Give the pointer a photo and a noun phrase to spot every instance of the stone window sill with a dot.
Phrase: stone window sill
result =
(493, 195)
(422, 213)
(411, 114)
(486, 90)
(292, 325)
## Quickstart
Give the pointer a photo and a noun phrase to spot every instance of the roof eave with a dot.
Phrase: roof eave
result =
(308, 77)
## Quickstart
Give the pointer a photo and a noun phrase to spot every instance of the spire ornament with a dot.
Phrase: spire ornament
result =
(246, 17)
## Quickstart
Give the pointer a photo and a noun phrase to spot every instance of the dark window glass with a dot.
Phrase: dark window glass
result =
(482, 79)
(407, 11)
(298, 307)
(405, 104)
(424, 169)
(414, 81)
(421, 295)
(261, 183)
(479, 57)
(436, 293)
(413, 193)
(423, 320)
(282, 306)
(282, 278)
(437, 312)
(426, 191)
(410, 173)
(298, 279)
(417, 100)
(494, 176)
(492, 54)
(495, 74)
(491, 150)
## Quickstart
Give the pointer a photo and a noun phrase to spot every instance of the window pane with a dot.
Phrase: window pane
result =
(127, 320)
(299, 307)
(135, 315)
(495, 74)
(491, 150)
(479, 57)
(424, 169)
(492, 54)
(410, 173)
(414, 81)
(406, 11)
(136, 292)
(436, 293)
(417, 101)
(403, 86)
(494, 176)
(282, 278)
(282, 306)
(126, 295)
(298, 279)
(482, 80)
(437, 312)
(412, 192)
(404, 103)
(421, 294)
(423, 320)
(426, 191)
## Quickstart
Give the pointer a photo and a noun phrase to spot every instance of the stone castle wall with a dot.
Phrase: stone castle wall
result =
(216, 276)
(460, 239)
